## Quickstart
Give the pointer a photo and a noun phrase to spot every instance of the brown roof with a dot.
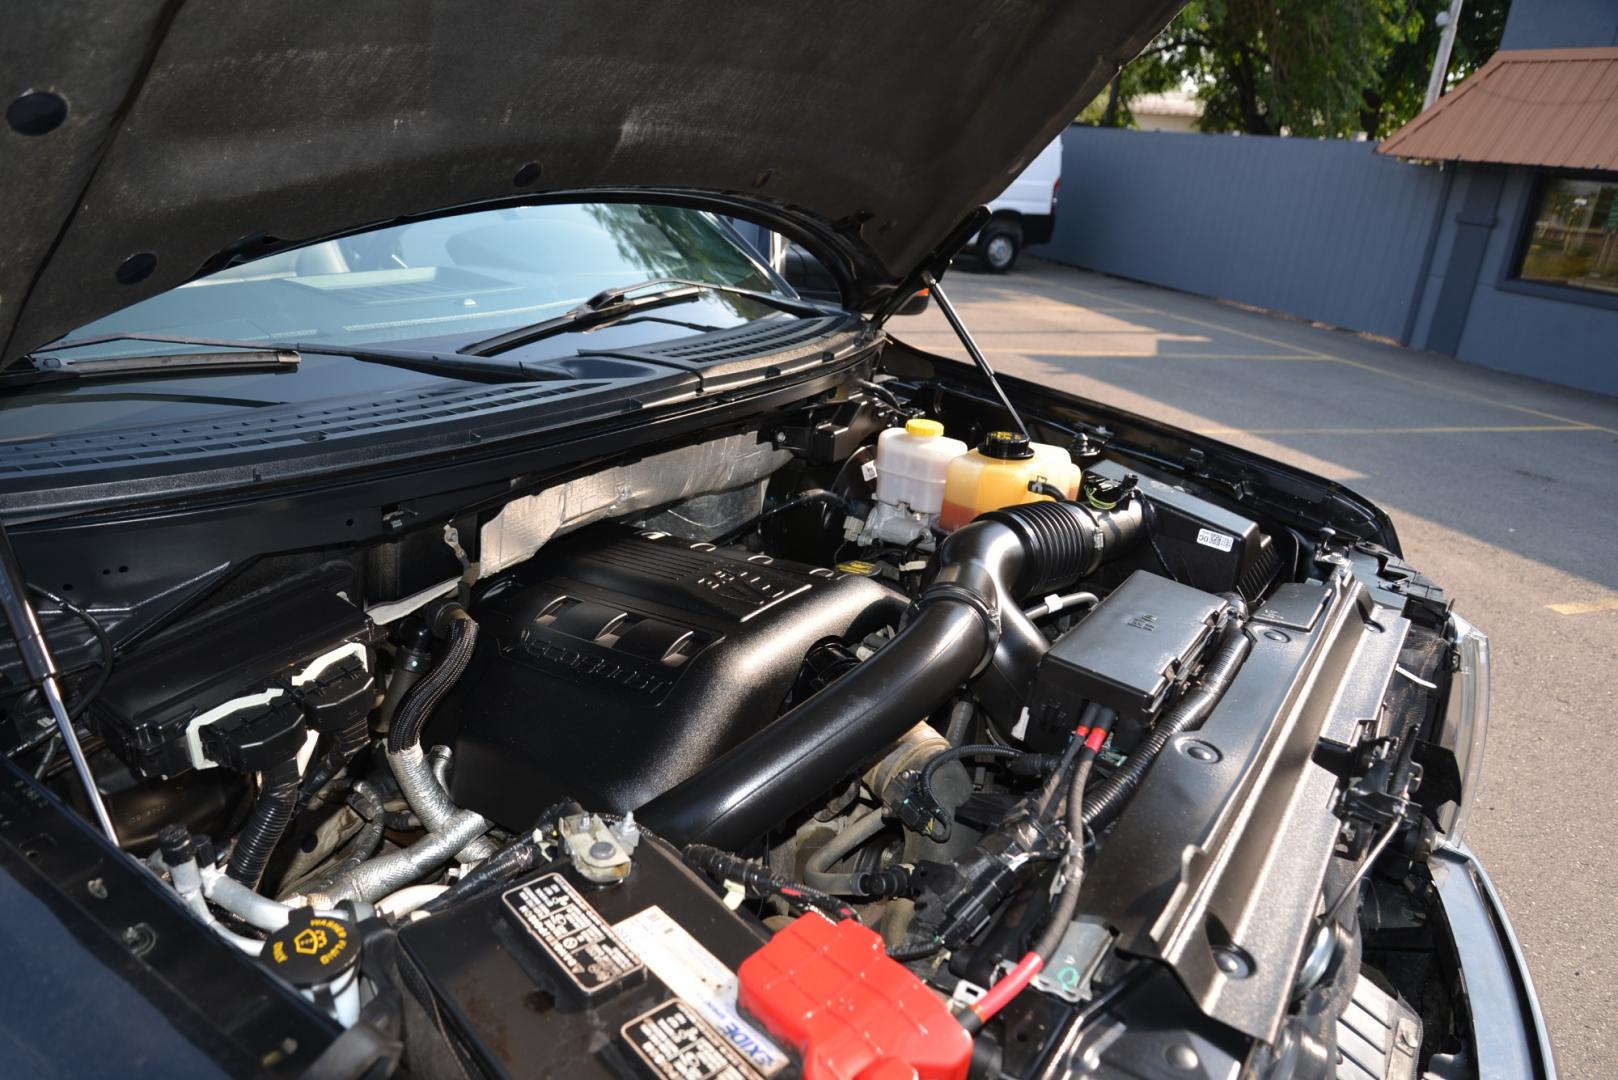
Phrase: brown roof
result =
(1551, 107)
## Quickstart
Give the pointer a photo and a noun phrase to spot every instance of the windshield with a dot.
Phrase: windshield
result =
(449, 280)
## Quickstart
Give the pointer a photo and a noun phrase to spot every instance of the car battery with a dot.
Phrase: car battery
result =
(557, 975)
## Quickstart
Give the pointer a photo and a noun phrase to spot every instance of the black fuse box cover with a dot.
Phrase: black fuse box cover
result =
(516, 1011)
(1126, 654)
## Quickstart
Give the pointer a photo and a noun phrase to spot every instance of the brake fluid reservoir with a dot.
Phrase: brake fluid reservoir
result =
(998, 473)
(911, 462)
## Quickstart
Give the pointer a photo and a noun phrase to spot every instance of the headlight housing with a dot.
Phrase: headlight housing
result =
(1466, 721)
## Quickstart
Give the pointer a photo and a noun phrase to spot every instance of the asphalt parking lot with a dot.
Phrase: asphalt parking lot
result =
(1504, 490)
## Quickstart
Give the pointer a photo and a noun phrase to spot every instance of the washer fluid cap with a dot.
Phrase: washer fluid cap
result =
(1006, 445)
(311, 949)
(927, 429)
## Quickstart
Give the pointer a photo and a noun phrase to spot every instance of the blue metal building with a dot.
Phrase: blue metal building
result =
(1487, 229)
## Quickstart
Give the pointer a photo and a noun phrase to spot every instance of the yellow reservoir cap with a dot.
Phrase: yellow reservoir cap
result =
(926, 428)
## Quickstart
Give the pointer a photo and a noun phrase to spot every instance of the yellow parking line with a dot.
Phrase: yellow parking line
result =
(1035, 351)
(1374, 369)
(1459, 429)
(1587, 608)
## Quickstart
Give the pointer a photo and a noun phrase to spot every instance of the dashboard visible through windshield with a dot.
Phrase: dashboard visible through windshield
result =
(467, 275)
(474, 328)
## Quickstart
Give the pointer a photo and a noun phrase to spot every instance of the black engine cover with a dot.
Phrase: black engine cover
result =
(614, 665)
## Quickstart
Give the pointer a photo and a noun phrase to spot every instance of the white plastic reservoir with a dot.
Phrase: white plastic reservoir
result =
(911, 462)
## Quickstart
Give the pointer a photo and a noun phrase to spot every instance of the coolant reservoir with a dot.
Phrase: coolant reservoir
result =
(998, 473)
(911, 462)
(1057, 468)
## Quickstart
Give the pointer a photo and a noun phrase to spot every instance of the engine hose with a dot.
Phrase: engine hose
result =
(920, 950)
(350, 741)
(967, 626)
(818, 870)
(264, 828)
(426, 796)
(368, 804)
(884, 884)
(405, 731)
(363, 845)
(517, 857)
(429, 800)
(1105, 803)
(376, 878)
(722, 866)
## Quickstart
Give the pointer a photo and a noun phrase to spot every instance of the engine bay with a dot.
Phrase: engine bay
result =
(672, 768)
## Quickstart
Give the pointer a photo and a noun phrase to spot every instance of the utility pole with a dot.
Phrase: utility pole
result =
(1450, 22)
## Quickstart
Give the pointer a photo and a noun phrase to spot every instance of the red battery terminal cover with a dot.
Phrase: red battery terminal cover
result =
(832, 992)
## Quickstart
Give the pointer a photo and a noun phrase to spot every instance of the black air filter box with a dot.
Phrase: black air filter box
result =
(614, 665)
(1127, 654)
(1198, 542)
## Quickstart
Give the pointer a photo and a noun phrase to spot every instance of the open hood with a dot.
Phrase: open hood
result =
(198, 133)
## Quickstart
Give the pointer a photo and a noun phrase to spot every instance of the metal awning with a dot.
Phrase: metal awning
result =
(1555, 108)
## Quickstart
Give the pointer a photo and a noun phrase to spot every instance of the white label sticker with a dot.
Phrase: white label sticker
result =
(576, 937)
(697, 977)
(868, 470)
(676, 1045)
(1209, 538)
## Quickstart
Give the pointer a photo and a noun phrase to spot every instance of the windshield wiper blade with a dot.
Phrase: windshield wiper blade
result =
(450, 365)
(610, 305)
(52, 368)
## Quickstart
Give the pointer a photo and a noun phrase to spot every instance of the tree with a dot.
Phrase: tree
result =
(1302, 67)
(1397, 95)
(1111, 108)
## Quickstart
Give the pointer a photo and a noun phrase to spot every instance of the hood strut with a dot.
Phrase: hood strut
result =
(972, 349)
(36, 656)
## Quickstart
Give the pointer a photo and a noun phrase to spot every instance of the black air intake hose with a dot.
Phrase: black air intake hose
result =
(967, 622)
(405, 730)
(265, 826)
(1105, 802)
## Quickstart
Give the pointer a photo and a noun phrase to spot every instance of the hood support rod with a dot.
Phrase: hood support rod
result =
(36, 657)
(972, 350)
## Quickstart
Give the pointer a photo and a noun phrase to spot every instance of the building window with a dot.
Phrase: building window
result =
(1573, 234)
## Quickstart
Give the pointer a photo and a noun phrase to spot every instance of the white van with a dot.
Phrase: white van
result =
(1025, 213)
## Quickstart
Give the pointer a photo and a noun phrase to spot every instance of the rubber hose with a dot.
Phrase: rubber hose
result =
(967, 628)
(1108, 800)
(722, 866)
(268, 822)
(921, 950)
(818, 870)
(350, 741)
(405, 731)
(517, 857)
(794, 760)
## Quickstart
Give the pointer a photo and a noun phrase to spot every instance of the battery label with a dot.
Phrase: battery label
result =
(698, 977)
(676, 1045)
(571, 932)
